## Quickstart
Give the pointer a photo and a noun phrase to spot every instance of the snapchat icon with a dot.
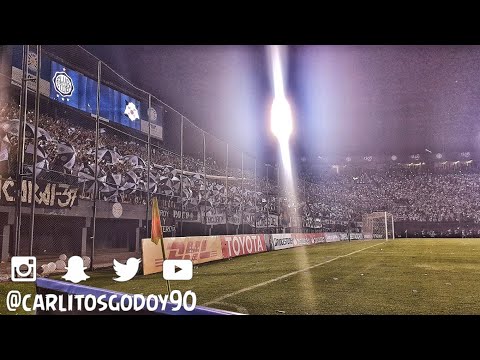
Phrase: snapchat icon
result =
(75, 271)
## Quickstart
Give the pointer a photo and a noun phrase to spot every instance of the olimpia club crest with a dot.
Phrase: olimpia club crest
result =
(63, 85)
(131, 111)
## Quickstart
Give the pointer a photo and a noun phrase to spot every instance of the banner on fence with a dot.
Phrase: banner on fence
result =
(356, 236)
(188, 216)
(213, 218)
(318, 223)
(272, 221)
(220, 218)
(237, 245)
(236, 219)
(49, 195)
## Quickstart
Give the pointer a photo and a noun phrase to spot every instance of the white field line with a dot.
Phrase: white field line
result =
(221, 298)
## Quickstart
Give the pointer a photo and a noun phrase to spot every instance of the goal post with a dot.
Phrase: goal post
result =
(378, 225)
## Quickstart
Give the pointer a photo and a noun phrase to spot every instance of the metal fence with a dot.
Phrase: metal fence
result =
(86, 164)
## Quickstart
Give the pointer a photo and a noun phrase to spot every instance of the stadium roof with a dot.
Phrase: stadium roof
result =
(347, 99)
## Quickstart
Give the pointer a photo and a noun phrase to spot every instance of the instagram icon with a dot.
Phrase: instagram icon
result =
(24, 268)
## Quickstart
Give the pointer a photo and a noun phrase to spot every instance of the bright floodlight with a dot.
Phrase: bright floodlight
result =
(281, 114)
(281, 119)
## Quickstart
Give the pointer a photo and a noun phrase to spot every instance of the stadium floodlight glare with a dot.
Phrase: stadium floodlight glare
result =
(281, 113)
(281, 125)
(281, 119)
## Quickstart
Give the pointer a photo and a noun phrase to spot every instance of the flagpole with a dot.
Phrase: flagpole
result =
(169, 289)
(158, 227)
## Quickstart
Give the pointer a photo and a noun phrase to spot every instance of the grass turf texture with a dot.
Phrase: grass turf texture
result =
(408, 276)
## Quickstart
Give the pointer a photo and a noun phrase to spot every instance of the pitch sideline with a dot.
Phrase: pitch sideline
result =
(221, 298)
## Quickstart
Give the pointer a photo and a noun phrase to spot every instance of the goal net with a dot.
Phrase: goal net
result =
(378, 225)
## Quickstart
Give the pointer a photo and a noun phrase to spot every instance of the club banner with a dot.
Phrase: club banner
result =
(344, 236)
(238, 245)
(169, 229)
(249, 218)
(318, 223)
(167, 202)
(282, 241)
(272, 221)
(236, 219)
(332, 237)
(307, 239)
(199, 249)
(220, 218)
(213, 218)
(356, 236)
(189, 216)
(49, 195)
(338, 236)
(172, 208)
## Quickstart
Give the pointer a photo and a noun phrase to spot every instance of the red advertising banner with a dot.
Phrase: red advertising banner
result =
(237, 245)
(199, 249)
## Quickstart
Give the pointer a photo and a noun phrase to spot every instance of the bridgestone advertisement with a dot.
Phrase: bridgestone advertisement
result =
(282, 241)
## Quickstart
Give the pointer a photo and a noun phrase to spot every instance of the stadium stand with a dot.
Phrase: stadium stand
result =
(412, 195)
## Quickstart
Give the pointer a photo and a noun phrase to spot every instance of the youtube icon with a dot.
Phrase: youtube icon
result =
(177, 269)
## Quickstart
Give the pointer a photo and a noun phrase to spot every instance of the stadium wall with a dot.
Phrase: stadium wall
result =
(203, 249)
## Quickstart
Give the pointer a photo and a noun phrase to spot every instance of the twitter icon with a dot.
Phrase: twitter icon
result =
(126, 272)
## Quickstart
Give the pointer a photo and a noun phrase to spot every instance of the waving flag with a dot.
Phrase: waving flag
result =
(157, 233)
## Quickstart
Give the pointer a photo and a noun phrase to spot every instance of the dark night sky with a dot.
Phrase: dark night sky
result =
(347, 99)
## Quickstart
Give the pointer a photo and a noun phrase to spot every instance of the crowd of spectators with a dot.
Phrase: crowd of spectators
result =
(411, 195)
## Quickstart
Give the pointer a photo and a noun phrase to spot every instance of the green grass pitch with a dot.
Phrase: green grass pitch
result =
(407, 276)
